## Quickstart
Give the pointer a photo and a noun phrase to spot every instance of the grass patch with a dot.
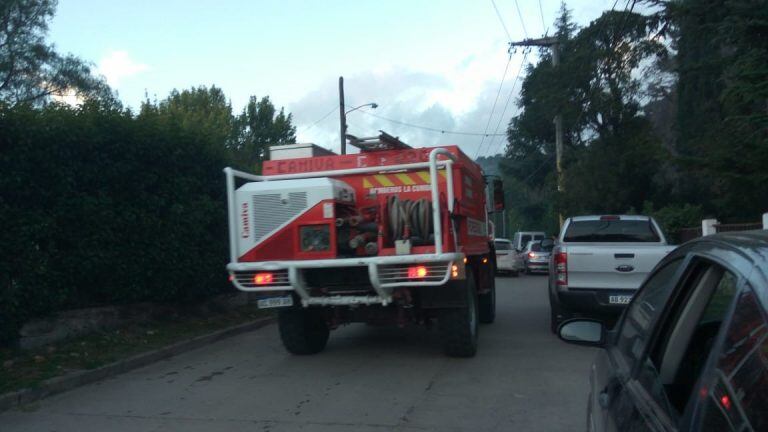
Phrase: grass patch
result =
(24, 369)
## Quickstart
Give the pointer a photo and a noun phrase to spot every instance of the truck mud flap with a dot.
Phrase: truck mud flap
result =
(451, 295)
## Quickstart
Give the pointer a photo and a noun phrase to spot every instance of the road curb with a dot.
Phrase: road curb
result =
(80, 378)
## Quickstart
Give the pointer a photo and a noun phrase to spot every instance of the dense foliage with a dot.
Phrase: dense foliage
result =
(664, 113)
(101, 206)
(30, 69)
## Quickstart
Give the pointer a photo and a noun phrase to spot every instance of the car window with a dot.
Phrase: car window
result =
(500, 245)
(614, 230)
(524, 240)
(536, 247)
(676, 363)
(644, 310)
(736, 399)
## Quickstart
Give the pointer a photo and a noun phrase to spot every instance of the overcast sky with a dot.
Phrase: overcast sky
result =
(429, 63)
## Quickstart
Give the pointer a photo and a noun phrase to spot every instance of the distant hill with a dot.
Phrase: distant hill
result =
(490, 164)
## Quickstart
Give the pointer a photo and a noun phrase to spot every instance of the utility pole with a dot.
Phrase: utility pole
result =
(342, 117)
(553, 44)
(504, 223)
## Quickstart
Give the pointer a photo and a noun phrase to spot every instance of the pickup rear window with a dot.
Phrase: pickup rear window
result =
(611, 231)
(537, 247)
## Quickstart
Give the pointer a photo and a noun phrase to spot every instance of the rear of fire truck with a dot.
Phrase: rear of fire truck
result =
(390, 235)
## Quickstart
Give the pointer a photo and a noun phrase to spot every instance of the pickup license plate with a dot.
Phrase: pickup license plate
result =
(275, 302)
(619, 299)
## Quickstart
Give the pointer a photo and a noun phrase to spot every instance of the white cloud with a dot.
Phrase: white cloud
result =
(118, 65)
(70, 97)
(457, 95)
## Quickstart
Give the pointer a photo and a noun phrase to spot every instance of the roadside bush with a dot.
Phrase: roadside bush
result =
(673, 218)
(98, 206)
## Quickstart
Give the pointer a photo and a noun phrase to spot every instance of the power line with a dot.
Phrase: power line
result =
(320, 119)
(543, 164)
(509, 97)
(501, 20)
(522, 21)
(427, 128)
(493, 108)
(543, 22)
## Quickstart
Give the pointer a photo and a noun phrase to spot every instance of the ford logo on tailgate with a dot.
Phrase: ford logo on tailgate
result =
(624, 268)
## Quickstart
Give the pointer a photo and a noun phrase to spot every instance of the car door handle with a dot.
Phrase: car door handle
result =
(624, 255)
(605, 397)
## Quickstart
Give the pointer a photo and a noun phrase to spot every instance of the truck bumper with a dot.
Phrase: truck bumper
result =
(592, 300)
(384, 274)
(542, 267)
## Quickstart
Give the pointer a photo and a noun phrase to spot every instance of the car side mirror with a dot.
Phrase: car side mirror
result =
(582, 332)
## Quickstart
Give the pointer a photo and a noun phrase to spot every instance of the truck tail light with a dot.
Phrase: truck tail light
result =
(561, 268)
(262, 278)
(417, 272)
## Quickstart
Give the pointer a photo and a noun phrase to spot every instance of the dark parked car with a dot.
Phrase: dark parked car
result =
(690, 353)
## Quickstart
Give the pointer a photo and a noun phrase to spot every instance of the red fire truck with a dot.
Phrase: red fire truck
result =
(392, 234)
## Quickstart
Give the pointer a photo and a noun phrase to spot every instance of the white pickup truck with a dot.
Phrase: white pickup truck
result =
(599, 262)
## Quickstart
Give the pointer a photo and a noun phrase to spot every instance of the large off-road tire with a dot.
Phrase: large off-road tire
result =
(458, 326)
(487, 302)
(303, 331)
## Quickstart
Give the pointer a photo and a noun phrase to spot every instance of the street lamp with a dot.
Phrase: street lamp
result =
(373, 105)
(343, 114)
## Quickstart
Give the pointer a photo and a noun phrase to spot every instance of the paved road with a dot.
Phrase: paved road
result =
(368, 379)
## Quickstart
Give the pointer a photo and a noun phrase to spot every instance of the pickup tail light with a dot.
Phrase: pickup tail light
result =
(561, 268)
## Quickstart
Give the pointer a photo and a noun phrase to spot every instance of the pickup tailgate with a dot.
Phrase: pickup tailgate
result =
(615, 266)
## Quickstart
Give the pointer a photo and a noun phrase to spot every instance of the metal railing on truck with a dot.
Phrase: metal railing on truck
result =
(382, 288)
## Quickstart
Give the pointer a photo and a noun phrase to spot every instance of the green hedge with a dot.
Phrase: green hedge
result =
(100, 206)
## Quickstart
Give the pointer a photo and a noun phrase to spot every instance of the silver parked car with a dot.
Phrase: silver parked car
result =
(536, 256)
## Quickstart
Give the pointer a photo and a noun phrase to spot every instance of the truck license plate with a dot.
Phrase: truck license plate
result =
(619, 299)
(275, 302)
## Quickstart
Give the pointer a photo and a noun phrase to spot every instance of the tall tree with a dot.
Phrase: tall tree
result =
(611, 155)
(205, 111)
(259, 126)
(723, 108)
(31, 71)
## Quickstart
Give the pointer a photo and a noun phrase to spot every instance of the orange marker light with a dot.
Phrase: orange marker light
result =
(465, 260)
(262, 278)
(485, 260)
(417, 272)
